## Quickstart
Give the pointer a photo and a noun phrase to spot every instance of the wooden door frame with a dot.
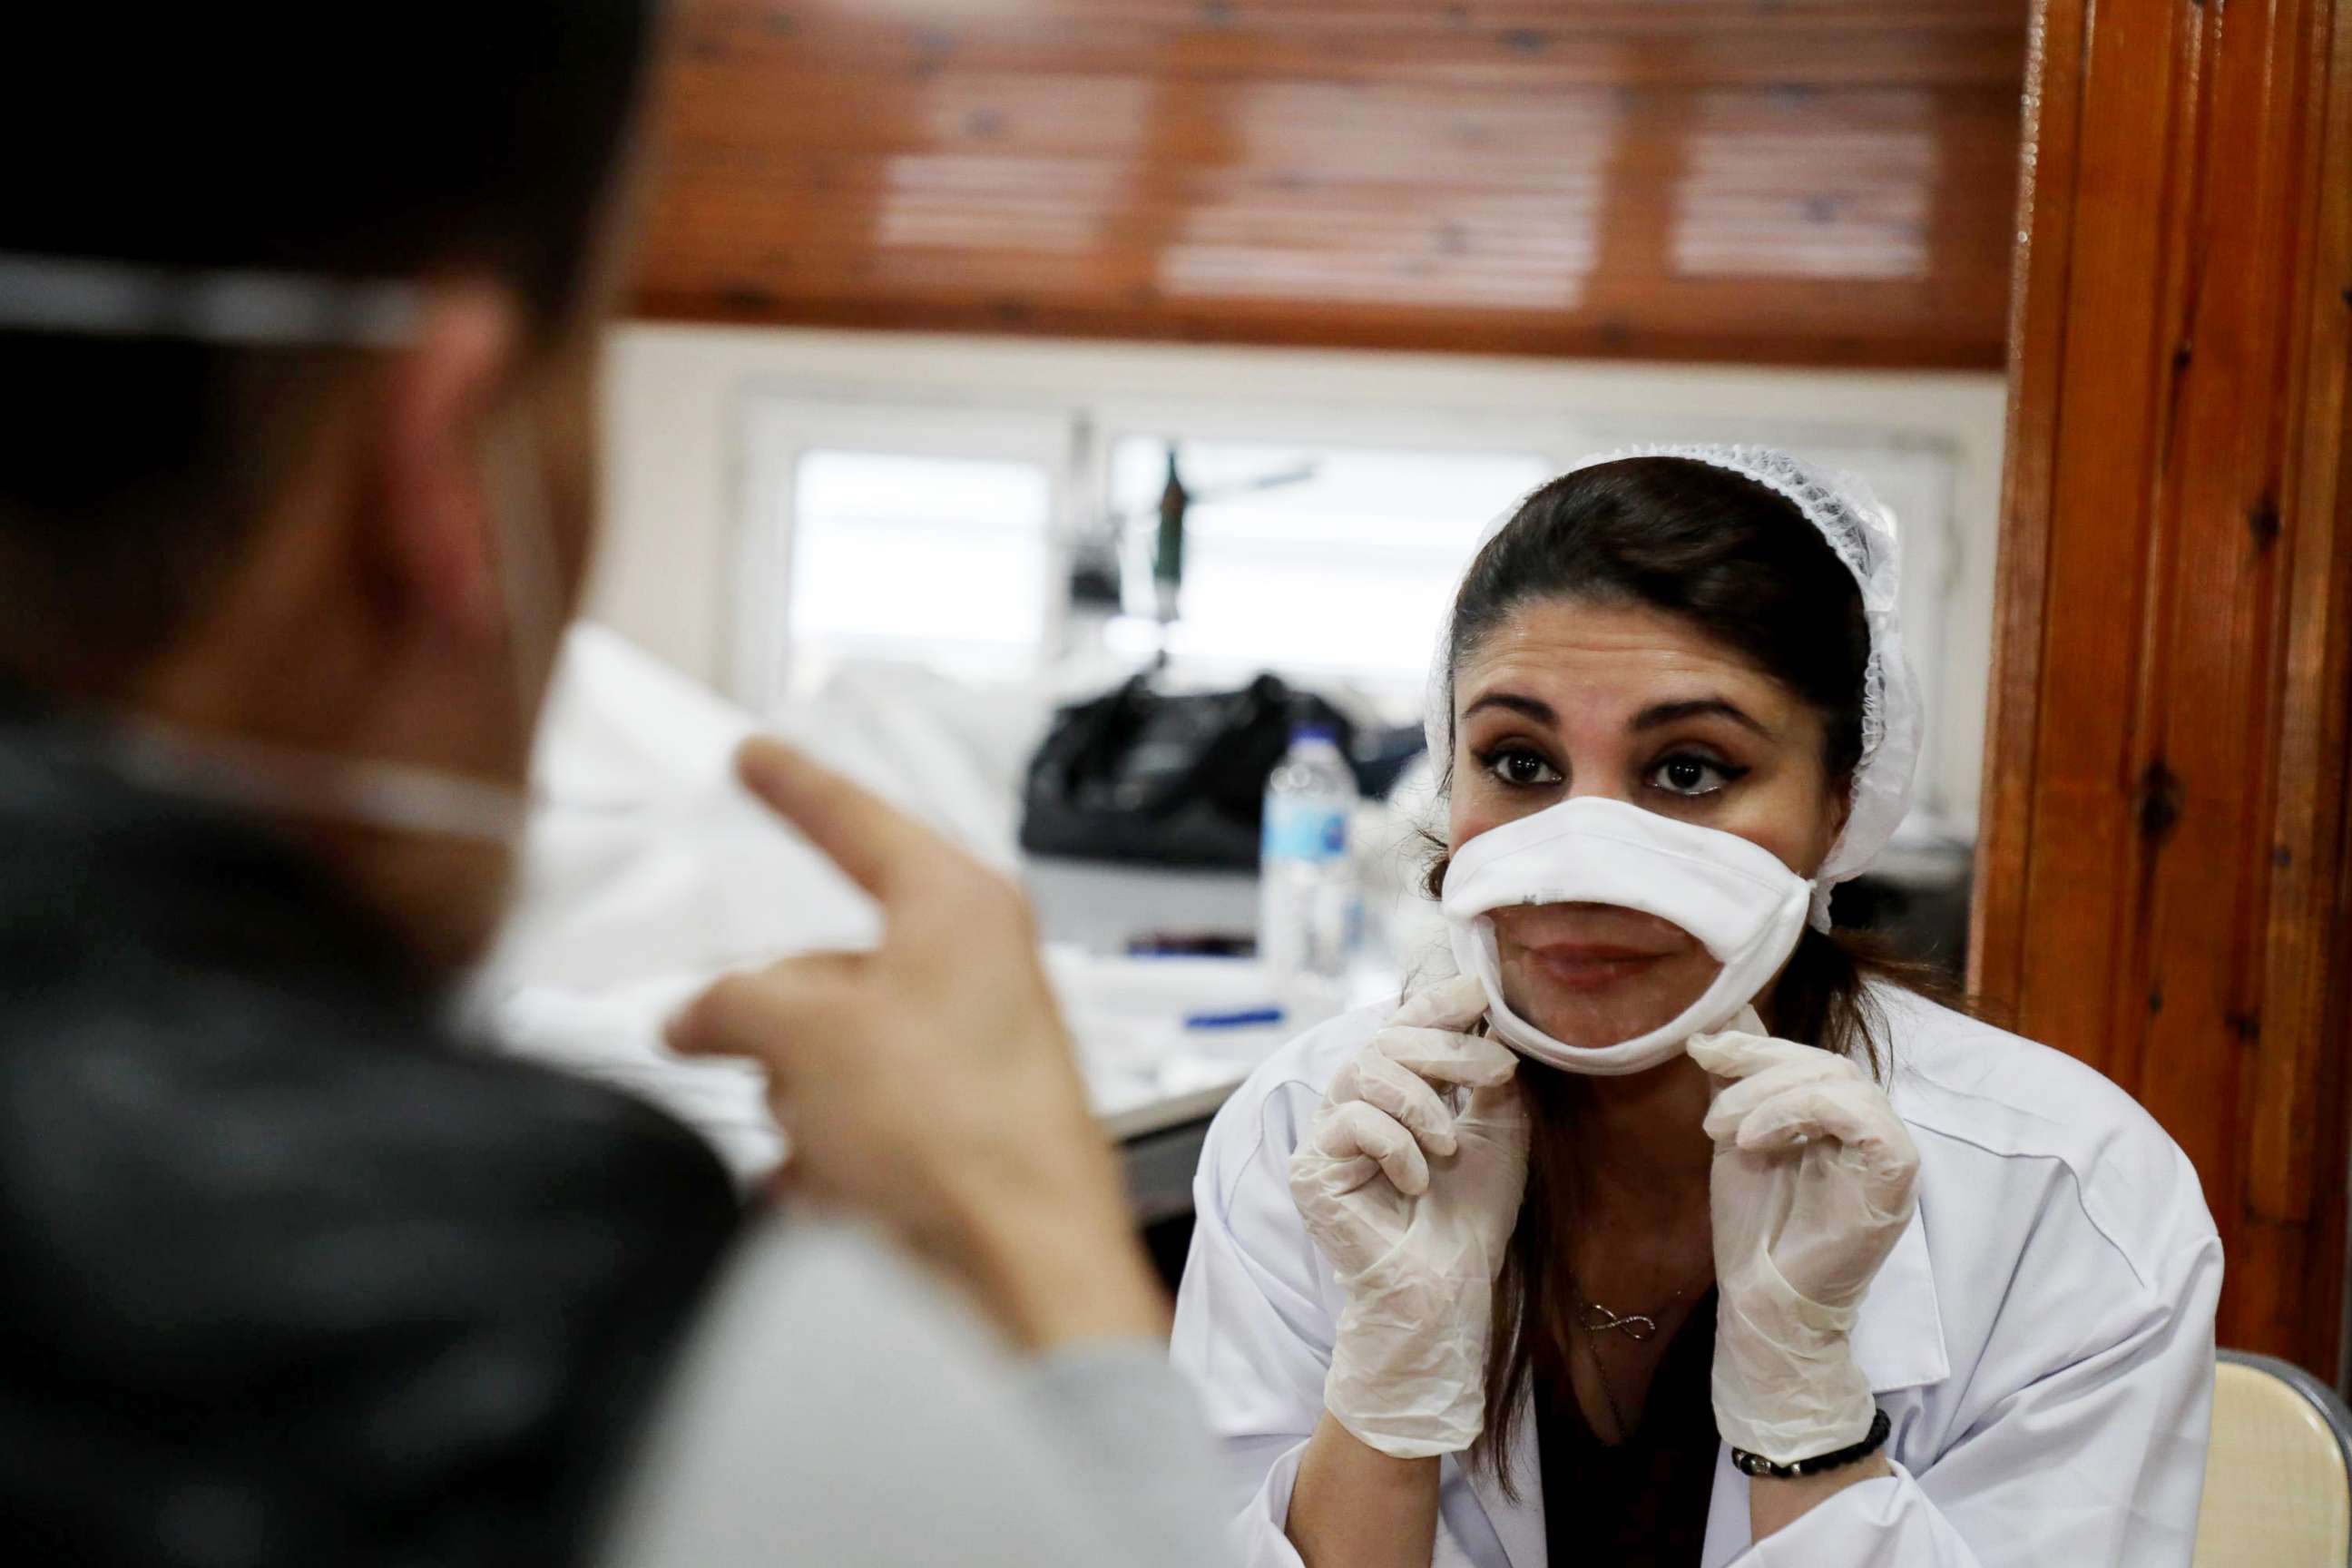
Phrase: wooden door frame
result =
(2130, 188)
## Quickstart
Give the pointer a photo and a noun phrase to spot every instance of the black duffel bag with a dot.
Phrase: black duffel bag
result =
(1165, 779)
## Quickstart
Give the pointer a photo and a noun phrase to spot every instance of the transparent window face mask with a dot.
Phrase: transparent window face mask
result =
(1605, 936)
(1591, 975)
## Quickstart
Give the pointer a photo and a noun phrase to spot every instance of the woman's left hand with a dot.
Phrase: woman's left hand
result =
(1814, 1180)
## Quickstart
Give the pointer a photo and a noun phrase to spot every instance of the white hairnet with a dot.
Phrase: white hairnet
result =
(1862, 533)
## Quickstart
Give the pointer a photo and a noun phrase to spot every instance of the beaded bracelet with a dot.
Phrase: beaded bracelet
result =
(1757, 1464)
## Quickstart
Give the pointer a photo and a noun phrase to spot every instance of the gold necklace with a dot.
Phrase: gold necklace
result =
(1596, 1320)
(1600, 1376)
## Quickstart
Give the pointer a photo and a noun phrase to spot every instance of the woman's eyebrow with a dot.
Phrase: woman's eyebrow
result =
(1528, 706)
(1662, 713)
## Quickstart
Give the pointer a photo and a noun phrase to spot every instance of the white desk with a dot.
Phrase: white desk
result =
(1146, 1075)
(1153, 1081)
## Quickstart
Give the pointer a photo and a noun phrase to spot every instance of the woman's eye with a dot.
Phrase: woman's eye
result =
(1690, 775)
(1521, 769)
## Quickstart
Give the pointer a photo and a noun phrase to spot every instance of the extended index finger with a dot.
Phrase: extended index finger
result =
(881, 847)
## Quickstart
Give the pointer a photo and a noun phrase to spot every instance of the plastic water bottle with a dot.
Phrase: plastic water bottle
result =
(1309, 907)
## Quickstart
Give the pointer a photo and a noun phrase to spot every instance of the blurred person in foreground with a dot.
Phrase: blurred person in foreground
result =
(294, 503)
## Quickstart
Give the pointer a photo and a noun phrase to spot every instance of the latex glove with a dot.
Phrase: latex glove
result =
(1413, 1203)
(1813, 1181)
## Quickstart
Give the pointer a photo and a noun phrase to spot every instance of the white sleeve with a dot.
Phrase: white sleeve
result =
(2098, 1464)
(836, 1405)
(1253, 1331)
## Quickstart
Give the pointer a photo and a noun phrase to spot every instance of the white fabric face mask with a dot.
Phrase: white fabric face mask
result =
(258, 310)
(1734, 897)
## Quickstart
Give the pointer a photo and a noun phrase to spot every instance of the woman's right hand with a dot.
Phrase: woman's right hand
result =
(1413, 1203)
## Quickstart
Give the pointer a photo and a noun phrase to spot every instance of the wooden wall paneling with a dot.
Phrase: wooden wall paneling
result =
(2167, 742)
(2296, 1159)
(1548, 42)
(2040, 274)
(1803, 181)
(2204, 736)
(2109, 355)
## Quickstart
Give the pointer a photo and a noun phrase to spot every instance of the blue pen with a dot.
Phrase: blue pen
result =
(1250, 1018)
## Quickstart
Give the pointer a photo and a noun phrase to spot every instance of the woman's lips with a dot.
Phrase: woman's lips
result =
(1591, 966)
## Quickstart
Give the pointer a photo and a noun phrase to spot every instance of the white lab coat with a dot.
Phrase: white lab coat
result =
(2041, 1335)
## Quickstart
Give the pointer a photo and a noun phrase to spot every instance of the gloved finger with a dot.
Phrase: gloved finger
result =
(1817, 1110)
(1349, 1226)
(1387, 1086)
(1854, 1113)
(1314, 1174)
(1443, 1056)
(1738, 1053)
(1734, 1105)
(1497, 1115)
(1344, 1130)
(1454, 1003)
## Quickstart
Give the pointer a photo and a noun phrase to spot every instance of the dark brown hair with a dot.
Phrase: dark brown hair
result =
(1739, 562)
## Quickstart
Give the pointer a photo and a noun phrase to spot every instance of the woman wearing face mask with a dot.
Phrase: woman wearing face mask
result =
(1673, 1231)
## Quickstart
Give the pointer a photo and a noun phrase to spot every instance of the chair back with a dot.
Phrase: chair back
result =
(2278, 1476)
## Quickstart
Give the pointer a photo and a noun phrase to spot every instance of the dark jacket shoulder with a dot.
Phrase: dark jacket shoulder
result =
(295, 1274)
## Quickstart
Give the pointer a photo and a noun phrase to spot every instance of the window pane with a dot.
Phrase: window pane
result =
(940, 560)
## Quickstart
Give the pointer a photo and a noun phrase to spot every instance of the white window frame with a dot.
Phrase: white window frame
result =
(781, 427)
(1376, 427)
(1072, 440)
